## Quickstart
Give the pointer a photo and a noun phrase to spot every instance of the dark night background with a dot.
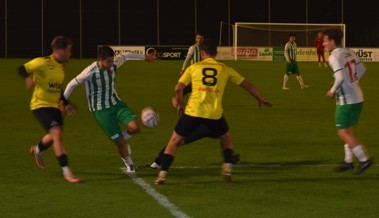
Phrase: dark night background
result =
(21, 26)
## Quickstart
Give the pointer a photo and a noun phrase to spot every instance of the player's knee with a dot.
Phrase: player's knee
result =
(134, 127)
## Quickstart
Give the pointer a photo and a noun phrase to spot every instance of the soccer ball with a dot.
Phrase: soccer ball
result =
(149, 117)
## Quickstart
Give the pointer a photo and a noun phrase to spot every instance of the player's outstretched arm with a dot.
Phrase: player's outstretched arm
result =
(251, 89)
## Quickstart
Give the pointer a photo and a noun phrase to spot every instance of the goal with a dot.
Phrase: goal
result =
(270, 35)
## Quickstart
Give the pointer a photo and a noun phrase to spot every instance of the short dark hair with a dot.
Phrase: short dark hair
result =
(60, 42)
(105, 52)
(291, 34)
(199, 34)
(209, 46)
(334, 34)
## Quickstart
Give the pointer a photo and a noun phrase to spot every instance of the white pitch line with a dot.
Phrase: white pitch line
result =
(160, 198)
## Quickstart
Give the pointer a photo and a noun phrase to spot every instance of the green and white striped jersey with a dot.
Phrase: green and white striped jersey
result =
(100, 83)
(290, 51)
(193, 56)
(347, 71)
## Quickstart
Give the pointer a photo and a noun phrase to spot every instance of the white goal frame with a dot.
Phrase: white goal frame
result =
(235, 38)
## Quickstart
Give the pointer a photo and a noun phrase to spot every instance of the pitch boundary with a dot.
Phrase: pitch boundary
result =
(160, 198)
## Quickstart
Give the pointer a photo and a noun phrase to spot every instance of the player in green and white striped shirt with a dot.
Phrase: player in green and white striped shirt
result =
(347, 71)
(193, 55)
(104, 102)
(290, 50)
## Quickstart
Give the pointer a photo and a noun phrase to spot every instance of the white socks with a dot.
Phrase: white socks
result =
(348, 154)
(300, 79)
(126, 134)
(359, 153)
(66, 170)
(285, 80)
(127, 160)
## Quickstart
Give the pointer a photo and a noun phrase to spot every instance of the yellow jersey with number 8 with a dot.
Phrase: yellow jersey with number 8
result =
(208, 79)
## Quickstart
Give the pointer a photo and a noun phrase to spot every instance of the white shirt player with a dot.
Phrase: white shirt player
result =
(100, 87)
(193, 56)
(347, 69)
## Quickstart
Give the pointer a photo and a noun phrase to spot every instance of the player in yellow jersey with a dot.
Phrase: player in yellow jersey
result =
(45, 76)
(204, 106)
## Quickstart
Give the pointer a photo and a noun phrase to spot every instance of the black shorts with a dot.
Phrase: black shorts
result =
(187, 124)
(49, 117)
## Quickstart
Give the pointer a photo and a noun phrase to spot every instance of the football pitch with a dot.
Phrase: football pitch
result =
(288, 152)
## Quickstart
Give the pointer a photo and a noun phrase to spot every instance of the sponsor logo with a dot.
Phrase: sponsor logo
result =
(164, 54)
(306, 52)
(265, 53)
(247, 52)
(364, 55)
(54, 88)
(119, 51)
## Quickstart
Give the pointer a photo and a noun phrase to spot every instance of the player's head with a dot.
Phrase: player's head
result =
(199, 38)
(320, 34)
(332, 38)
(61, 47)
(208, 48)
(106, 56)
(292, 37)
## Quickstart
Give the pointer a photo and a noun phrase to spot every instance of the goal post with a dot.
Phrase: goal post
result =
(270, 35)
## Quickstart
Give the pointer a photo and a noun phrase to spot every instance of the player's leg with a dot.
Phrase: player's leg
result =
(45, 117)
(168, 156)
(60, 152)
(221, 128)
(109, 123)
(186, 124)
(124, 152)
(319, 58)
(356, 148)
(299, 78)
(201, 132)
(52, 121)
(346, 117)
(227, 145)
(286, 75)
(37, 150)
(128, 118)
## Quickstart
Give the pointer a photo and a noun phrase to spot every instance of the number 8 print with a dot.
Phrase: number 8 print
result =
(209, 79)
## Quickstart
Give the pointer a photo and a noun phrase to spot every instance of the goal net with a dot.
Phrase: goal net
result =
(271, 35)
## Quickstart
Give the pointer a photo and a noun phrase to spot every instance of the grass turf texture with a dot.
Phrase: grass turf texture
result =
(287, 151)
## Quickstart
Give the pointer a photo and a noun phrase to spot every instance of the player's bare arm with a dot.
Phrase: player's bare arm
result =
(251, 89)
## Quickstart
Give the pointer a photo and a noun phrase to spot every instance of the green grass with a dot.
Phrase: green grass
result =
(287, 151)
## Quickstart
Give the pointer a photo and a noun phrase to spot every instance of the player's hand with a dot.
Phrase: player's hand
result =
(265, 102)
(289, 61)
(150, 58)
(180, 110)
(330, 94)
(70, 109)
